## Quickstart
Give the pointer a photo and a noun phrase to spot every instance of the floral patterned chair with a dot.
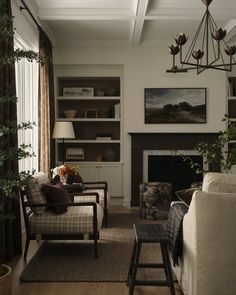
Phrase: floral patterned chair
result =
(155, 199)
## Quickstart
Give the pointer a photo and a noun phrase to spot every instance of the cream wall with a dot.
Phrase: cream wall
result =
(146, 67)
(24, 26)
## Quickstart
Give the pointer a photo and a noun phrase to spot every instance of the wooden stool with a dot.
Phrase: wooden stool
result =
(150, 233)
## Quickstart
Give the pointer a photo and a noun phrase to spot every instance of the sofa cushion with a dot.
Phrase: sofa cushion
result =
(185, 195)
(41, 178)
(219, 182)
(34, 195)
(56, 193)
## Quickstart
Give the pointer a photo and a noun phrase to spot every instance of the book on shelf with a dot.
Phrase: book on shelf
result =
(117, 110)
(104, 136)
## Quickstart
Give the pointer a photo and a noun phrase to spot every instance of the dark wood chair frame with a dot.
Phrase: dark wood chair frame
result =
(34, 236)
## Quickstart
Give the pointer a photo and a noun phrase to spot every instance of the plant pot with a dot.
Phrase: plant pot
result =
(5, 280)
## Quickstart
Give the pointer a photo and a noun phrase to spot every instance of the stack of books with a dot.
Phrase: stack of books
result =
(104, 136)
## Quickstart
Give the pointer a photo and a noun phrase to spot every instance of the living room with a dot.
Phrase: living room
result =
(94, 43)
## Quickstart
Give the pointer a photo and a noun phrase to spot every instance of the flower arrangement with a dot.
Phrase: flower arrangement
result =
(66, 172)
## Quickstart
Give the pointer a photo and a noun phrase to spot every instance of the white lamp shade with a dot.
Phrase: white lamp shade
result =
(63, 130)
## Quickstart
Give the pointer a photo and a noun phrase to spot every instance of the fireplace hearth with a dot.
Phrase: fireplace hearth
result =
(163, 163)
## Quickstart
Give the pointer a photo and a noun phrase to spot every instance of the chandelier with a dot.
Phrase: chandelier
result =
(205, 51)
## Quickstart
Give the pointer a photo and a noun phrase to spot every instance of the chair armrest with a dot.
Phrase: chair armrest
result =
(89, 183)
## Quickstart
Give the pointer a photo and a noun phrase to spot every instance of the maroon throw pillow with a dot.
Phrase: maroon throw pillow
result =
(55, 179)
(56, 193)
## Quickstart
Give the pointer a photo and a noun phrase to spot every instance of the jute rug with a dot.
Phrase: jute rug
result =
(72, 261)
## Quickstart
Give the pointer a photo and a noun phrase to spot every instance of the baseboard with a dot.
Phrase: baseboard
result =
(116, 201)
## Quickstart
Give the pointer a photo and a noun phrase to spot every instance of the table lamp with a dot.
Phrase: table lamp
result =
(63, 130)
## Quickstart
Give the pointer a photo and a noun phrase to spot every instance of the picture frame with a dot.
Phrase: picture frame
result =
(78, 91)
(75, 154)
(175, 105)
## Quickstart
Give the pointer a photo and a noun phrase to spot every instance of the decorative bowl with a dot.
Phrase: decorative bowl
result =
(70, 113)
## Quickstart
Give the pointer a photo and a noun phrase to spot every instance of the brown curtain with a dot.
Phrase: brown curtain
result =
(46, 105)
(10, 230)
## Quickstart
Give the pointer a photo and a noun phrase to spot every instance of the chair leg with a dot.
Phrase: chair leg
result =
(96, 246)
(106, 217)
(26, 247)
(169, 271)
(132, 279)
(131, 266)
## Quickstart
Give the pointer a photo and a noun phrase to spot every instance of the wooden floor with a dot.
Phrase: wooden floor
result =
(76, 288)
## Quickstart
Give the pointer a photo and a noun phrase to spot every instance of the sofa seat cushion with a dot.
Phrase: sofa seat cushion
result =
(93, 198)
(219, 183)
(77, 219)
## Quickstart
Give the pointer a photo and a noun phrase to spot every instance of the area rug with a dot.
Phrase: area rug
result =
(73, 261)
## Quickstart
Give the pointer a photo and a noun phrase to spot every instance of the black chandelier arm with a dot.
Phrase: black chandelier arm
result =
(206, 51)
(191, 47)
(212, 23)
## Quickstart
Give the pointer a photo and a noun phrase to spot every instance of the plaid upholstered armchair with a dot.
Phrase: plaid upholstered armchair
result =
(100, 187)
(50, 214)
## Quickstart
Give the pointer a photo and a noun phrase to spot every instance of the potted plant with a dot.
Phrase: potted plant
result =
(217, 155)
(11, 180)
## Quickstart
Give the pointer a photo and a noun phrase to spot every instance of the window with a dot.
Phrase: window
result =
(27, 75)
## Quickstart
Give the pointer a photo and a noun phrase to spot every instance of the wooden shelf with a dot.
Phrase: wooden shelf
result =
(87, 98)
(96, 114)
(89, 119)
(88, 141)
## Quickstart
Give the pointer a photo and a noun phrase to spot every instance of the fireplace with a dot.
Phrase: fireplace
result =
(166, 167)
(162, 144)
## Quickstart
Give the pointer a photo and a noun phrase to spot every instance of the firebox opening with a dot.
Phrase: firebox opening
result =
(173, 169)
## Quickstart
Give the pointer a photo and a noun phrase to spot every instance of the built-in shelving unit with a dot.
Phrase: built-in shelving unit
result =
(231, 107)
(95, 97)
(97, 118)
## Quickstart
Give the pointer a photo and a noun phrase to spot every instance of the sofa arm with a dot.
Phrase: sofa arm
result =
(176, 202)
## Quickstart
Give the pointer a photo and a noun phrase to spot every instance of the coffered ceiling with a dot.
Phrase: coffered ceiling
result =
(126, 22)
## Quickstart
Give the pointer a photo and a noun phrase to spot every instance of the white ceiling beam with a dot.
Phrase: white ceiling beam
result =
(85, 14)
(187, 13)
(230, 27)
(139, 22)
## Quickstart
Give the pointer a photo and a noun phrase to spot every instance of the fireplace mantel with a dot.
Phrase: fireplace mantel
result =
(159, 141)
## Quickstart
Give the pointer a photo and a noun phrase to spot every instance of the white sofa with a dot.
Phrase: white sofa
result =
(208, 264)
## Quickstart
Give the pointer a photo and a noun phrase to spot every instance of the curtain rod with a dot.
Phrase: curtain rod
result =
(30, 13)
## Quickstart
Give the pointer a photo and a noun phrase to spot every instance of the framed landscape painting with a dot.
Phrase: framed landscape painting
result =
(175, 105)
